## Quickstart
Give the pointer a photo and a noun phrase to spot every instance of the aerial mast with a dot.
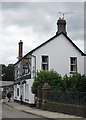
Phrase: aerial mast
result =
(65, 13)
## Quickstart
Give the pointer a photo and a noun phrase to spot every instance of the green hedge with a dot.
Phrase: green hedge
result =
(73, 83)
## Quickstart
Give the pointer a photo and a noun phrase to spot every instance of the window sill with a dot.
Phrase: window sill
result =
(73, 72)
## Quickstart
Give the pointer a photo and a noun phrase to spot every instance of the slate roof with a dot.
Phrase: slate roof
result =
(49, 41)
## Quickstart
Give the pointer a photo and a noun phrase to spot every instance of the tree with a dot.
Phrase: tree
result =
(8, 72)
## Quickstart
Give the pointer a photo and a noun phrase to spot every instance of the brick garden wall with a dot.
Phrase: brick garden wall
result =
(45, 104)
(67, 108)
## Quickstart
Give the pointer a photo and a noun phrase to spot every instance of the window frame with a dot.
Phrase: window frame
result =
(45, 63)
(74, 64)
(26, 92)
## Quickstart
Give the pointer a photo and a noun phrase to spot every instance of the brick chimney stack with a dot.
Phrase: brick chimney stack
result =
(61, 24)
(20, 50)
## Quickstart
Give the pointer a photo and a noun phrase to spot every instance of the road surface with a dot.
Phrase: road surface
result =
(8, 112)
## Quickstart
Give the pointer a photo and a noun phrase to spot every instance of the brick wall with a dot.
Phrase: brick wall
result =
(67, 108)
(45, 104)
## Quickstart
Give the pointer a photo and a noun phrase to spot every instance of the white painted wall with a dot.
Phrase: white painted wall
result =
(23, 92)
(30, 94)
(27, 94)
(15, 92)
(59, 51)
(17, 69)
(33, 67)
(85, 64)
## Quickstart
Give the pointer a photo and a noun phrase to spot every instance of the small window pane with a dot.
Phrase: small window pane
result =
(73, 64)
(73, 67)
(44, 62)
(73, 60)
(44, 58)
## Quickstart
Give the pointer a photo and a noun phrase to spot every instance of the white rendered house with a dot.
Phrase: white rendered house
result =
(58, 53)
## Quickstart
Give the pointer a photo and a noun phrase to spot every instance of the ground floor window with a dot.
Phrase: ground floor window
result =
(26, 92)
(17, 91)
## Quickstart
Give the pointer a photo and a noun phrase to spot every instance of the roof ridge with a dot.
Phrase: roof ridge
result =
(30, 52)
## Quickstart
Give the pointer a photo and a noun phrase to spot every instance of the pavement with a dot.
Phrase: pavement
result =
(35, 111)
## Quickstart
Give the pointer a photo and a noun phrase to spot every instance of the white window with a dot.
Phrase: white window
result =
(15, 90)
(26, 92)
(16, 71)
(73, 65)
(44, 62)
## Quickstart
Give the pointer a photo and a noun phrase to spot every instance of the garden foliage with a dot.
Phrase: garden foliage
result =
(73, 83)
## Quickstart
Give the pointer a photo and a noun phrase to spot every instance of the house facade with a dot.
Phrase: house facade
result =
(58, 53)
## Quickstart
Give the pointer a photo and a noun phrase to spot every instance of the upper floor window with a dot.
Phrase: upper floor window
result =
(44, 62)
(16, 72)
(73, 64)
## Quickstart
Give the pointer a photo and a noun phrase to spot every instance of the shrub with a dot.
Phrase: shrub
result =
(73, 83)
(73, 80)
(51, 77)
(81, 84)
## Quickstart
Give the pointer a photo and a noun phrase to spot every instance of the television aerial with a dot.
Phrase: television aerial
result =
(65, 13)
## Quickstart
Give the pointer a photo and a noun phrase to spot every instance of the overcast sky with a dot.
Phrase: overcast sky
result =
(34, 23)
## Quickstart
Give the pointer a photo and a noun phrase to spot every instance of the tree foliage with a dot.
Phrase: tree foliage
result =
(73, 83)
(51, 77)
(8, 72)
